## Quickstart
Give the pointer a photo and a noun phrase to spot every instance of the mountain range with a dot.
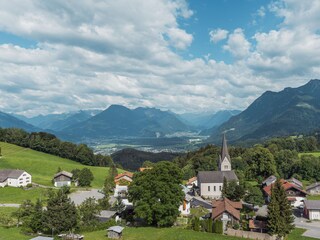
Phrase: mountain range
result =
(291, 111)
(288, 112)
(119, 121)
(9, 121)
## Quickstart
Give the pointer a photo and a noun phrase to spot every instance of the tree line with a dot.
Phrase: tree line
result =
(49, 143)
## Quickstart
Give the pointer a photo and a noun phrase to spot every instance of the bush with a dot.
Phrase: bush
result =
(218, 227)
(236, 226)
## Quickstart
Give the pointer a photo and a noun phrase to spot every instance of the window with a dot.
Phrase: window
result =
(28, 178)
(220, 188)
(214, 188)
(225, 166)
(208, 188)
(24, 174)
(20, 179)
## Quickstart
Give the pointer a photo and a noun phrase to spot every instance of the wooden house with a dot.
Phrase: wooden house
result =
(115, 232)
(62, 178)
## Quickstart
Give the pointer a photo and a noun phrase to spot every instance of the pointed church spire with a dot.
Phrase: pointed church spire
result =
(224, 155)
(224, 150)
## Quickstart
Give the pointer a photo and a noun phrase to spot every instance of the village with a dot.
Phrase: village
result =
(204, 198)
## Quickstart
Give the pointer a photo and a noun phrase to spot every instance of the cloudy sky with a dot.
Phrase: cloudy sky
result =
(181, 55)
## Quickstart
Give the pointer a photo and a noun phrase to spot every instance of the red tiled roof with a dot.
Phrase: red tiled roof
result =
(286, 185)
(144, 168)
(191, 180)
(128, 174)
(225, 205)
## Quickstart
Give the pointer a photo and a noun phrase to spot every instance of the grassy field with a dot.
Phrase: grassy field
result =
(43, 166)
(314, 197)
(316, 154)
(18, 195)
(149, 233)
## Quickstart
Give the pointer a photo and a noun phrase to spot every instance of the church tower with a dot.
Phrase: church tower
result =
(224, 157)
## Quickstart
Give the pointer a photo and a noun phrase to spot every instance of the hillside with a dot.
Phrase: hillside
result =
(9, 121)
(288, 112)
(43, 166)
(132, 159)
(119, 121)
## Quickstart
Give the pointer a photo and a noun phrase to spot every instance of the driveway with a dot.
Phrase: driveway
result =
(313, 228)
(79, 196)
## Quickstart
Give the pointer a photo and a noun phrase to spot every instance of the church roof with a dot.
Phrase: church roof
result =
(216, 176)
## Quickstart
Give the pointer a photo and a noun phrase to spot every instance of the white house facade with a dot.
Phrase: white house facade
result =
(14, 178)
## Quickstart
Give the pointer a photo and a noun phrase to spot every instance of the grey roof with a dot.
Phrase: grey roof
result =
(10, 173)
(296, 182)
(117, 229)
(316, 184)
(198, 201)
(216, 176)
(65, 173)
(269, 180)
(262, 211)
(312, 204)
(42, 238)
(106, 214)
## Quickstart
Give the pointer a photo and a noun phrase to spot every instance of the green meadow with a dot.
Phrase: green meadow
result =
(43, 166)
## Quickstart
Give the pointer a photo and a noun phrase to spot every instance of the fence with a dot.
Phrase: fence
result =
(251, 235)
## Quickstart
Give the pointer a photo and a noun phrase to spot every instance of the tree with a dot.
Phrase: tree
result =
(61, 214)
(36, 221)
(85, 177)
(224, 190)
(280, 219)
(254, 196)
(260, 163)
(88, 211)
(156, 194)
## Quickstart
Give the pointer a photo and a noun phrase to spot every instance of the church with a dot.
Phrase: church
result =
(210, 183)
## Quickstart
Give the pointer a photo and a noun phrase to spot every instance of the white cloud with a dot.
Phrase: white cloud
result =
(237, 44)
(218, 35)
(93, 54)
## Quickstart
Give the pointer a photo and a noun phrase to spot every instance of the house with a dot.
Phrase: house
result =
(270, 180)
(210, 183)
(257, 226)
(295, 195)
(226, 210)
(14, 178)
(62, 178)
(184, 208)
(115, 232)
(71, 236)
(296, 182)
(314, 189)
(199, 202)
(144, 168)
(123, 178)
(42, 238)
(312, 209)
(105, 215)
(192, 182)
(120, 191)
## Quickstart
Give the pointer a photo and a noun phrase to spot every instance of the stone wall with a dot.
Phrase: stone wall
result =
(250, 235)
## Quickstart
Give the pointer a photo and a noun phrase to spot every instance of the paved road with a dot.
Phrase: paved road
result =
(79, 196)
(313, 228)
(9, 205)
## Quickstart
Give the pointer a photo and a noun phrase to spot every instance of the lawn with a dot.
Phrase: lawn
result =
(314, 197)
(147, 233)
(43, 166)
(17, 195)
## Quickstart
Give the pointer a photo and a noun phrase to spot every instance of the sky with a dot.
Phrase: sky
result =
(179, 55)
